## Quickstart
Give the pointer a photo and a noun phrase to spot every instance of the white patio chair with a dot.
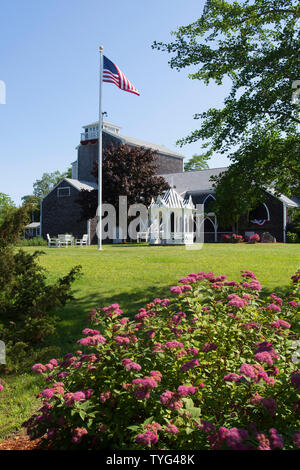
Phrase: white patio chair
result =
(82, 241)
(52, 241)
(65, 240)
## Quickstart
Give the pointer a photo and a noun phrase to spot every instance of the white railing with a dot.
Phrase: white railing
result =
(89, 135)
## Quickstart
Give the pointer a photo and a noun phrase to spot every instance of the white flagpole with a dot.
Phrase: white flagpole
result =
(99, 212)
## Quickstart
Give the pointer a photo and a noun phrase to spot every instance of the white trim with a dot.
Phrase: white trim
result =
(268, 212)
(88, 185)
(88, 224)
(284, 222)
(64, 195)
(208, 196)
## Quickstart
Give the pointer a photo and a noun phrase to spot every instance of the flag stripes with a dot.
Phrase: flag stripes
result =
(112, 74)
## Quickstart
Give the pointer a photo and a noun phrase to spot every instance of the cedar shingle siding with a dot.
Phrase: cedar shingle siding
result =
(88, 156)
(61, 214)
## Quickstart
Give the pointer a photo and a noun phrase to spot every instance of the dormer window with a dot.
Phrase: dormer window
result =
(63, 192)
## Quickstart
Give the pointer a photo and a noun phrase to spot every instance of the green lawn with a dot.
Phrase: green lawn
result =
(132, 276)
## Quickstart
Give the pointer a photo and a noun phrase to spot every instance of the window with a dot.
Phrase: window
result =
(62, 192)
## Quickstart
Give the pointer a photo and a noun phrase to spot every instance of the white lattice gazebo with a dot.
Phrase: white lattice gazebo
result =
(171, 219)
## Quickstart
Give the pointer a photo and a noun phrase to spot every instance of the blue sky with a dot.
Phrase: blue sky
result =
(50, 64)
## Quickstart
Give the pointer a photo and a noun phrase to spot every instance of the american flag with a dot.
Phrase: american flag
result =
(112, 74)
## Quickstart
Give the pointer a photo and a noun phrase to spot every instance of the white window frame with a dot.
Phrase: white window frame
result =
(64, 195)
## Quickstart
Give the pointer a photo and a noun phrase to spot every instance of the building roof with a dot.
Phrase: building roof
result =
(289, 202)
(142, 143)
(81, 185)
(105, 124)
(134, 142)
(172, 200)
(77, 184)
(33, 225)
(193, 180)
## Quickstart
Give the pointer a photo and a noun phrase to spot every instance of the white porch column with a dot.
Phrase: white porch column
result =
(284, 222)
(216, 229)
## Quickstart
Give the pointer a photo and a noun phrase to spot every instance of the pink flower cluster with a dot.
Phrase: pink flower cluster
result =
(248, 274)
(112, 310)
(92, 340)
(172, 429)
(190, 364)
(176, 290)
(274, 308)
(184, 390)
(147, 438)
(89, 331)
(174, 345)
(252, 285)
(256, 372)
(255, 238)
(171, 400)
(70, 398)
(145, 385)
(233, 438)
(122, 340)
(130, 365)
(280, 324)
(274, 441)
(39, 368)
(177, 318)
(209, 347)
(104, 396)
(232, 377)
(265, 353)
(78, 435)
(236, 301)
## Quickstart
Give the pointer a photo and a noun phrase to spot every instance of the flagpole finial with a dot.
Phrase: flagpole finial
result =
(101, 48)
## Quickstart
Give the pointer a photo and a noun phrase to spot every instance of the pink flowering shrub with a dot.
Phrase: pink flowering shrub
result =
(237, 238)
(234, 238)
(226, 238)
(254, 238)
(212, 367)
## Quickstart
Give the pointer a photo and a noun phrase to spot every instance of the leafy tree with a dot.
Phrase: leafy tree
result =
(68, 173)
(34, 202)
(6, 203)
(256, 45)
(27, 301)
(294, 225)
(240, 189)
(127, 172)
(236, 195)
(43, 186)
(197, 162)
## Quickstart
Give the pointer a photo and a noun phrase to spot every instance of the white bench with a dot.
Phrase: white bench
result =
(82, 241)
(65, 240)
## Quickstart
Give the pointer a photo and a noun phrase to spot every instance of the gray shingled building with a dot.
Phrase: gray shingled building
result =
(59, 211)
(61, 214)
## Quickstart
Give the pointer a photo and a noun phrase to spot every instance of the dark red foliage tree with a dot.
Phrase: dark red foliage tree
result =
(127, 171)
